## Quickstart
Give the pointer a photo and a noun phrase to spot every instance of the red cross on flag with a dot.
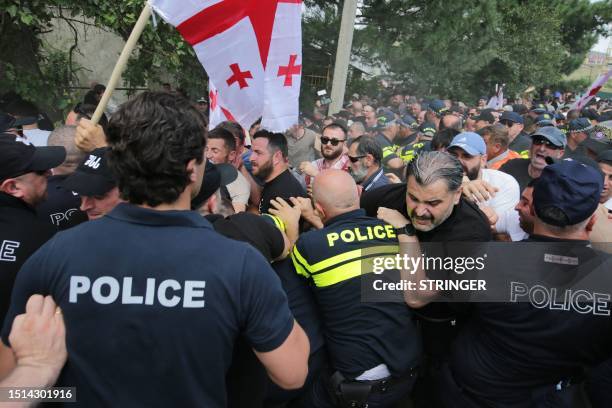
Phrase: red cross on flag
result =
(595, 87)
(252, 52)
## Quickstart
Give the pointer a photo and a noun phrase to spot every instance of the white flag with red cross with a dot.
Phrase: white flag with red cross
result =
(595, 87)
(252, 52)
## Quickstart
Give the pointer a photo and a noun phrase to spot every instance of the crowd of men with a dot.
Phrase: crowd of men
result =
(151, 261)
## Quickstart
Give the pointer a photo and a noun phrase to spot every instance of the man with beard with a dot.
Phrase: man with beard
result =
(518, 140)
(23, 184)
(333, 143)
(365, 156)
(269, 161)
(546, 141)
(471, 150)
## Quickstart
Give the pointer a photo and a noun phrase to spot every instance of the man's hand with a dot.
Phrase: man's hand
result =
(478, 191)
(309, 169)
(491, 216)
(307, 211)
(89, 136)
(393, 217)
(38, 338)
(285, 211)
(393, 178)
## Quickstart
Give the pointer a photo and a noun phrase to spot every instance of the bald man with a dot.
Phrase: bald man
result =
(374, 347)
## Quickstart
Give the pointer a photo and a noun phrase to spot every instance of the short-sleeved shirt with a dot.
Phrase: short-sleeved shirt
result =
(509, 349)
(21, 234)
(519, 169)
(284, 185)
(508, 194)
(359, 335)
(302, 149)
(153, 302)
(239, 190)
(62, 207)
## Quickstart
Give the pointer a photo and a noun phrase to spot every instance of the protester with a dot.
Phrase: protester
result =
(333, 146)
(605, 165)
(365, 156)
(498, 153)
(27, 116)
(269, 160)
(545, 142)
(302, 144)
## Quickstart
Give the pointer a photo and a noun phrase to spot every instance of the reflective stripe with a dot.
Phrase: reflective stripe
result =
(351, 256)
(301, 266)
(347, 270)
(278, 222)
(524, 154)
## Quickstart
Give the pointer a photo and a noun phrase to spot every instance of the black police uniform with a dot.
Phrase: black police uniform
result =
(521, 144)
(153, 303)
(21, 234)
(61, 208)
(521, 354)
(359, 335)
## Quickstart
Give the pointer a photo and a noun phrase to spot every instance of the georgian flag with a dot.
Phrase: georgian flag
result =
(252, 52)
(595, 87)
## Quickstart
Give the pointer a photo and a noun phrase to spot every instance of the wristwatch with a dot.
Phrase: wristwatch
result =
(407, 229)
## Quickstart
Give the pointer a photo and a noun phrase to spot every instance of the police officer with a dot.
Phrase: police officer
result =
(23, 184)
(169, 294)
(531, 350)
(373, 347)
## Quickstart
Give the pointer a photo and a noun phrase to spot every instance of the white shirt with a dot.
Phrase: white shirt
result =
(608, 204)
(36, 137)
(508, 194)
(508, 223)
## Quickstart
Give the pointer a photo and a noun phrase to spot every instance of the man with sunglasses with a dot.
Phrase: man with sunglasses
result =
(545, 142)
(518, 140)
(365, 156)
(23, 184)
(333, 143)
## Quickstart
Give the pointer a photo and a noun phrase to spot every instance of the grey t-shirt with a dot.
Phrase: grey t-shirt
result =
(302, 149)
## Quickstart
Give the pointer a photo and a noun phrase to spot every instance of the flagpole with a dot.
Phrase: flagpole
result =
(122, 61)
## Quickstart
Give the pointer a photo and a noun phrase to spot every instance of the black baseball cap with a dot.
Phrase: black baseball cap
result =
(92, 177)
(210, 183)
(570, 187)
(18, 158)
(485, 115)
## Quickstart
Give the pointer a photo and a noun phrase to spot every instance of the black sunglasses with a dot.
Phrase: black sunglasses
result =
(334, 142)
(506, 123)
(539, 141)
(355, 159)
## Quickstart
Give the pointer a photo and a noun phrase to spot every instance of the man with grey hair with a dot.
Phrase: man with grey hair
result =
(62, 206)
(356, 129)
(431, 198)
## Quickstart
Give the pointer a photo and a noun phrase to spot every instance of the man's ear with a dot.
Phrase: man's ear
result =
(458, 195)
(232, 156)
(591, 223)
(278, 158)
(191, 166)
(11, 187)
(319, 209)
(369, 159)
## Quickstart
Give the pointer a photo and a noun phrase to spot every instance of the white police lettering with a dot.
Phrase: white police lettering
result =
(93, 161)
(105, 290)
(56, 218)
(577, 300)
(7, 250)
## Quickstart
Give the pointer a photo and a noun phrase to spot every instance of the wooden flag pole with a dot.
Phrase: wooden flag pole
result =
(122, 62)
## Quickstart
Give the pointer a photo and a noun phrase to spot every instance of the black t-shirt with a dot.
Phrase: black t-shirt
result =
(253, 229)
(61, 208)
(465, 224)
(153, 303)
(285, 185)
(519, 169)
(21, 234)
(509, 349)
